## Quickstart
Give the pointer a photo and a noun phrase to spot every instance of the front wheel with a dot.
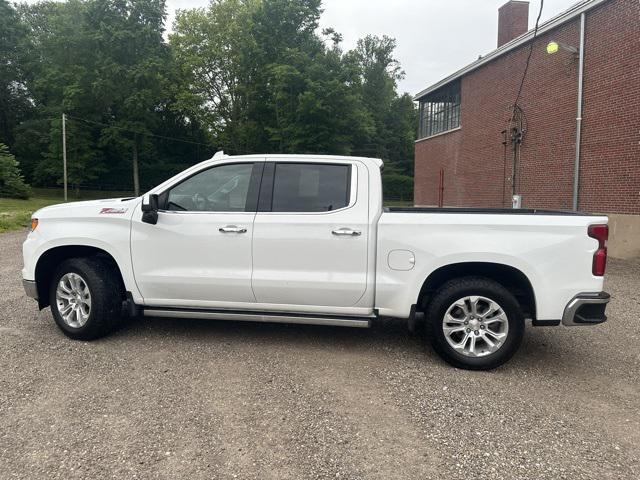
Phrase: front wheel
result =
(474, 323)
(86, 298)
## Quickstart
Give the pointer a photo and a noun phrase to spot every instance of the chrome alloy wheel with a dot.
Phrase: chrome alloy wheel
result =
(475, 326)
(73, 300)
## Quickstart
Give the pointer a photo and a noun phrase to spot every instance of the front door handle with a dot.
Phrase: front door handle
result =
(232, 229)
(346, 231)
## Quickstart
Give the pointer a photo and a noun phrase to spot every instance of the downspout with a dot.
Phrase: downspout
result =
(576, 169)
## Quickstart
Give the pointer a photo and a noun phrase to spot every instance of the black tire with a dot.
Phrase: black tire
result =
(459, 288)
(103, 283)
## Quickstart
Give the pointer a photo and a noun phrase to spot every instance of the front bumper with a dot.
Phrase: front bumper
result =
(30, 288)
(586, 309)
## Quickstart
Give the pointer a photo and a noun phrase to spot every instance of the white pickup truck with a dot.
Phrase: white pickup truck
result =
(306, 239)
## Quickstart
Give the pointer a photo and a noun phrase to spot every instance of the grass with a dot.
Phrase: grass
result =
(16, 214)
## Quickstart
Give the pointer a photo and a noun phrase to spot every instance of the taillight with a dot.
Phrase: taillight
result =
(600, 233)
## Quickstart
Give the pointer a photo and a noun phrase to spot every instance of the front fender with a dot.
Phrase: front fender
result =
(110, 235)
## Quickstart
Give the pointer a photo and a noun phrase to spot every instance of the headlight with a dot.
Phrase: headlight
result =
(34, 224)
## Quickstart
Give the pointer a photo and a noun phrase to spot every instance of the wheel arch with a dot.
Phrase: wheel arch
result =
(51, 258)
(509, 277)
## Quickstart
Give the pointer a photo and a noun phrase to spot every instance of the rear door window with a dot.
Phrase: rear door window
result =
(310, 187)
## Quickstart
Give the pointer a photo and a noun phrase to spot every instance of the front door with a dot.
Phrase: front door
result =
(310, 235)
(199, 252)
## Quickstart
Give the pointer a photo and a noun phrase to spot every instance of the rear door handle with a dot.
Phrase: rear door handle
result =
(346, 231)
(232, 229)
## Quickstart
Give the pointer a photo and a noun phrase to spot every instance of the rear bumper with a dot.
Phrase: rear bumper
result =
(30, 288)
(586, 309)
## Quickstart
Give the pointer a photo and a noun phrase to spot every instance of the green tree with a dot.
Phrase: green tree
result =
(11, 182)
(106, 65)
(212, 50)
(401, 125)
(84, 162)
(60, 79)
(265, 81)
(393, 116)
(244, 75)
(14, 99)
(129, 60)
(315, 107)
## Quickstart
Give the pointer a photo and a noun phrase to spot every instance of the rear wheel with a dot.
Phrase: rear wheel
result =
(474, 323)
(86, 298)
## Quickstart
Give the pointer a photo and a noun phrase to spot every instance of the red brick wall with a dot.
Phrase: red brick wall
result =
(513, 20)
(473, 157)
(610, 160)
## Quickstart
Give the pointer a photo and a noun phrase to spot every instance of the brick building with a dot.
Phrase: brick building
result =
(475, 149)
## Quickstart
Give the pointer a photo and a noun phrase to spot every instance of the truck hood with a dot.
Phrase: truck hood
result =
(92, 208)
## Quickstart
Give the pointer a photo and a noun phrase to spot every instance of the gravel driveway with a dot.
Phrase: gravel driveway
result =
(206, 400)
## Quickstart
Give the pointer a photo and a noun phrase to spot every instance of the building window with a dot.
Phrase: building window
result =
(440, 110)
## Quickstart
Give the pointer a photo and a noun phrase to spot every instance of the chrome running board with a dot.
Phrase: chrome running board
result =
(269, 317)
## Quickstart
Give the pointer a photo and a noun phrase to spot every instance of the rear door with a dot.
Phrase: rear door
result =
(310, 234)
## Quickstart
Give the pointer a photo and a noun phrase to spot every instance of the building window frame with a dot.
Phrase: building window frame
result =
(440, 111)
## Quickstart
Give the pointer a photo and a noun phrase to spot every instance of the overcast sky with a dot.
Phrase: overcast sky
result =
(434, 37)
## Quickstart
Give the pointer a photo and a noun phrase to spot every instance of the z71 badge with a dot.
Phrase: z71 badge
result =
(116, 211)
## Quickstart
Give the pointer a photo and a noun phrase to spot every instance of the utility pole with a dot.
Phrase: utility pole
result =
(64, 154)
(136, 180)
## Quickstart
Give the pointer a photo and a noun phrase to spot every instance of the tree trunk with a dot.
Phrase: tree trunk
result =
(136, 179)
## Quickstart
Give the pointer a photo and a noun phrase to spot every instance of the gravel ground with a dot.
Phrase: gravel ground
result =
(214, 400)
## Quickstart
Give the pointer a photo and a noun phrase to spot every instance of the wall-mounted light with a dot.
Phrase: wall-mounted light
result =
(555, 46)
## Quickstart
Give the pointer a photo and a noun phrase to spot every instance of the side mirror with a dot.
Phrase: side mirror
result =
(150, 209)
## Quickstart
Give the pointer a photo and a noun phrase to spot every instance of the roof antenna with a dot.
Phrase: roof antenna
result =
(218, 154)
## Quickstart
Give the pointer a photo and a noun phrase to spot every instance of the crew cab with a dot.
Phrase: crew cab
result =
(306, 239)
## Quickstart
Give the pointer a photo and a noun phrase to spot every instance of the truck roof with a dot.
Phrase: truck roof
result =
(306, 156)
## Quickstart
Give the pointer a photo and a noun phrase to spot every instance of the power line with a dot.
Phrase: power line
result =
(526, 68)
(138, 132)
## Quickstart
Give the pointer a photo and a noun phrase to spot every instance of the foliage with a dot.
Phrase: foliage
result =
(271, 83)
(396, 185)
(114, 88)
(11, 182)
(394, 117)
(247, 76)
(209, 48)
(264, 81)
(14, 101)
